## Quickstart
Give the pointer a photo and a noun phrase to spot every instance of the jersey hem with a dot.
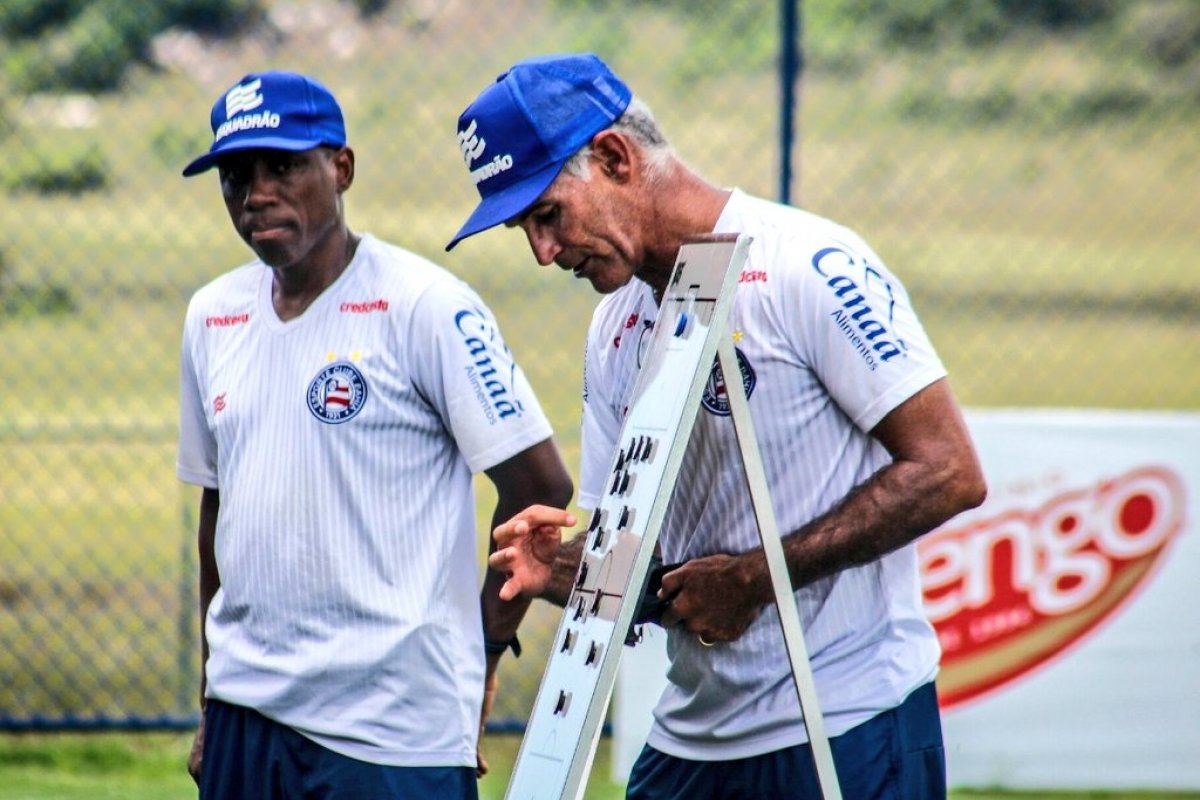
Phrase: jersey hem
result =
(206, 480)
(390, 758)
(505, 450)
(790, 736)
(898, 394)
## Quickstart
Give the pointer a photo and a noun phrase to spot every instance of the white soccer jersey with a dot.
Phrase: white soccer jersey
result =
(828, 344)
(342, 443)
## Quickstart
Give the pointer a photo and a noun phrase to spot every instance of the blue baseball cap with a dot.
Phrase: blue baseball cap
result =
(272, 110)
(522, 129)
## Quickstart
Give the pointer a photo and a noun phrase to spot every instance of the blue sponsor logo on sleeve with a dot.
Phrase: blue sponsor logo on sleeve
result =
(868, 304)
(492, 371)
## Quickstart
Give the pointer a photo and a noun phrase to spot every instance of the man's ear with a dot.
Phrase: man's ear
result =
(343, 164)
(615, 154)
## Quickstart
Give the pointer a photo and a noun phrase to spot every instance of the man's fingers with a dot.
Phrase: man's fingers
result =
(671, 582)
(670, 619)
(509, 532)
(535, 516)
(510, 590)
(502, 560)
(530, 518)
(671, 589)
(195, 757)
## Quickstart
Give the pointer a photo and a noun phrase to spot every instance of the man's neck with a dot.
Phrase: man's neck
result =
(294, 288)
(684, 205)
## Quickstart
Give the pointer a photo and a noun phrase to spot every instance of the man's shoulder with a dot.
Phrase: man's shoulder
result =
(770, 218)
(791, 239)
(408, 277)
(238, 284)
(394, 262)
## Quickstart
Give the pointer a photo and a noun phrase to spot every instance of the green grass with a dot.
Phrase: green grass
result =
(95, 766)
(150, 766)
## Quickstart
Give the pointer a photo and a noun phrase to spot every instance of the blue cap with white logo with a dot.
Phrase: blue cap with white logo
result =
(275, 111)
(522, 129)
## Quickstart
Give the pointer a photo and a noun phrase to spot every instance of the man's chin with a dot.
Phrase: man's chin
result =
(605, 282)
(273, 257)
(605, 285)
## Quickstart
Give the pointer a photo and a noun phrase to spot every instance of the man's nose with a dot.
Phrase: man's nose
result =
(260, 188)
(545, 246)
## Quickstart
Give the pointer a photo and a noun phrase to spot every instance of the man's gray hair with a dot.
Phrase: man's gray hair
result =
(639, 124)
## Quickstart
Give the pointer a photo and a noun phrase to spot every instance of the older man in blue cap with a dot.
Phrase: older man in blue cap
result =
(334, 405)
(863, 444)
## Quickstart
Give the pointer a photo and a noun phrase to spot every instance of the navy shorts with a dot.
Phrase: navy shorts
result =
(897, 755)
(249, 757)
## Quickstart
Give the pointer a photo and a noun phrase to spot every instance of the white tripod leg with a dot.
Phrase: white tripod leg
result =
(785, 599)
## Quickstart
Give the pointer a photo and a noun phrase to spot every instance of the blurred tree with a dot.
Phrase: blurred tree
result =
(87, 45)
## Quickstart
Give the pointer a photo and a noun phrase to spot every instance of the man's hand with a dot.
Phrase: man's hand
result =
(716, 597)
(197, 754)
(526, 547)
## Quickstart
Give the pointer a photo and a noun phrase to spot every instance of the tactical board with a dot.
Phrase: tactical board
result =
(556, 752)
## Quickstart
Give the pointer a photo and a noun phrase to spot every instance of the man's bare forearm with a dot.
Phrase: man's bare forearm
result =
(210, 579)
(501, 617)
(895, 507)
(535, 476)
(934, 476)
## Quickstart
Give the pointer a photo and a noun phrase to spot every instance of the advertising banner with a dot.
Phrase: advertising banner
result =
(1067, 607)
(1067, 604)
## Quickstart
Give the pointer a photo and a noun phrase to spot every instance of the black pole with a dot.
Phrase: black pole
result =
(791, 64)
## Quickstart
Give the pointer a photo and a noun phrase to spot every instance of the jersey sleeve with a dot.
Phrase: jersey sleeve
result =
(853, 323)
(464, 368)
(196, 459)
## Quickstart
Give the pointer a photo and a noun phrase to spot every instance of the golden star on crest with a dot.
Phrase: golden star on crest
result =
(737, 336)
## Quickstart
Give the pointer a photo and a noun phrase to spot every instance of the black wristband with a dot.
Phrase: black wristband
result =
(494, 648)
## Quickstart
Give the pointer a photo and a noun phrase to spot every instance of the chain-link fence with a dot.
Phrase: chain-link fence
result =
(1029, 169)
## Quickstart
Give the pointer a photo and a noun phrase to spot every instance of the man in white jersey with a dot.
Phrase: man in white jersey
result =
(863, 444)
(337, 393)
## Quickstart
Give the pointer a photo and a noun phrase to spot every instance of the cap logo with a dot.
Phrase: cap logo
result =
(245, 97)
(472, 146)
(239, 99)
(492, 168)
(470, 143)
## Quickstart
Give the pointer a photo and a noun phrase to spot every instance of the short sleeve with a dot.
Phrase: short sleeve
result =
(464, 368)
(196, 459)
(852, 322)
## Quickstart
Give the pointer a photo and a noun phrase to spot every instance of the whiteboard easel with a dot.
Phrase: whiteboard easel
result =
(564, 727)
